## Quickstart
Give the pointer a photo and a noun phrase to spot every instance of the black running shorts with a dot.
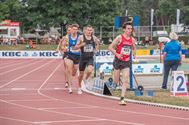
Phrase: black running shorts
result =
(85, 62)
(74, 58)
(119, 64)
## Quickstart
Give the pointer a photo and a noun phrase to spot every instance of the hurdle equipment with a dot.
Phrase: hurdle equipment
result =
(139, 87)
(99, 86)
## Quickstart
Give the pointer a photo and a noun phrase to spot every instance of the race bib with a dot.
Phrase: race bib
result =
(72, 49)
(88, 48)
(125, 50)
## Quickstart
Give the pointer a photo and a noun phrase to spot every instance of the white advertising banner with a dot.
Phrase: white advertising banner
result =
(29, 54)
(104, 56)
(155, 68)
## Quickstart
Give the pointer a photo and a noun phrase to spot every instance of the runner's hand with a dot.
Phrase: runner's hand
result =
(118, 56)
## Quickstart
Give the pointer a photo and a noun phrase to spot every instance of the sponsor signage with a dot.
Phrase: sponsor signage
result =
(29, 54)
(156, 68)
(106, 69)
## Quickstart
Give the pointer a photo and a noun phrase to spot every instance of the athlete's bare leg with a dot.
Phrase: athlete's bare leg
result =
(80, 78)
(65, 74)
(125, 75)
(70, 68)
(116, 76)
(88, 71)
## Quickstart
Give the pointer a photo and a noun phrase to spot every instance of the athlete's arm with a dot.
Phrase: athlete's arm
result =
(64, 42)
(96, 40)
(113, 45)
(79, 42)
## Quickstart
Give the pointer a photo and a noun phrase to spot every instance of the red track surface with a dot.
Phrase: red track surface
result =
(31, 92)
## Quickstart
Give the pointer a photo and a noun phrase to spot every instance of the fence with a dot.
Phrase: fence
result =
(108, 33)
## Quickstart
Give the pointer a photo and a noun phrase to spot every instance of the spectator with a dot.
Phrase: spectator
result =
(172, 57)
(31, 45)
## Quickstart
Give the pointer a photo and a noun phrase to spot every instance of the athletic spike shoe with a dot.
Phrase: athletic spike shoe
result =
(79, 92)
(70, 91)
(122, 102)
(66, 85)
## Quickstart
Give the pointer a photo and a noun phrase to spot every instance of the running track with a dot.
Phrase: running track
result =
(32, 92)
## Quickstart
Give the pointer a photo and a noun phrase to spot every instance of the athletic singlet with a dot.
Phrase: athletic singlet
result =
(124, 48)
(71, 45)
(87, 50)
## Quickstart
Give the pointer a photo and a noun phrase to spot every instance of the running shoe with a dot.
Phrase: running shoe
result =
(122, 102)
(70, 91)
(66, 85)
(79, 91)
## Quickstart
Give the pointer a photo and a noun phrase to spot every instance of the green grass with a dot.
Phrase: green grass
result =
(38, 47)
(53, 47)
(22, 47)
(160, 96)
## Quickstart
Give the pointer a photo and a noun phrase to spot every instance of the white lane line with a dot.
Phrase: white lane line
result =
(30, 100)
(34, 89)
(70, 121)
(48, 78)
(40, 88)
(59, 88)
(133, 112)
(131, 123)
(25, 74)
(68, 114)
(73, 107)
(142, 113)
(48, 122)
(19, 94)
(5, 63)
(18, 88)
(18, 120)
(12, 65)
(30, 80)
(54, 112)
(27, 65)
(124, 122)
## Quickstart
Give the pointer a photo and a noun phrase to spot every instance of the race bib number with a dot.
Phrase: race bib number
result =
(72, 49)
(125, 50)
(88, 48)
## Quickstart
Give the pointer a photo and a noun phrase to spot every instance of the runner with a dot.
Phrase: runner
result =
(89, 45)
(73, 55)
(60, 49)
(121, 47)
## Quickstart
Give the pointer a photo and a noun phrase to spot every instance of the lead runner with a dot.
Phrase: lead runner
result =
(121, 47)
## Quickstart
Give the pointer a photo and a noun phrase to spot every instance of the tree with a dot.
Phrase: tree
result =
(10, 9)
(54, 13)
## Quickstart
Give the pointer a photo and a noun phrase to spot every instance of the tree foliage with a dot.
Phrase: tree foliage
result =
(10, 9)
(55, 12)
(46, 13)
